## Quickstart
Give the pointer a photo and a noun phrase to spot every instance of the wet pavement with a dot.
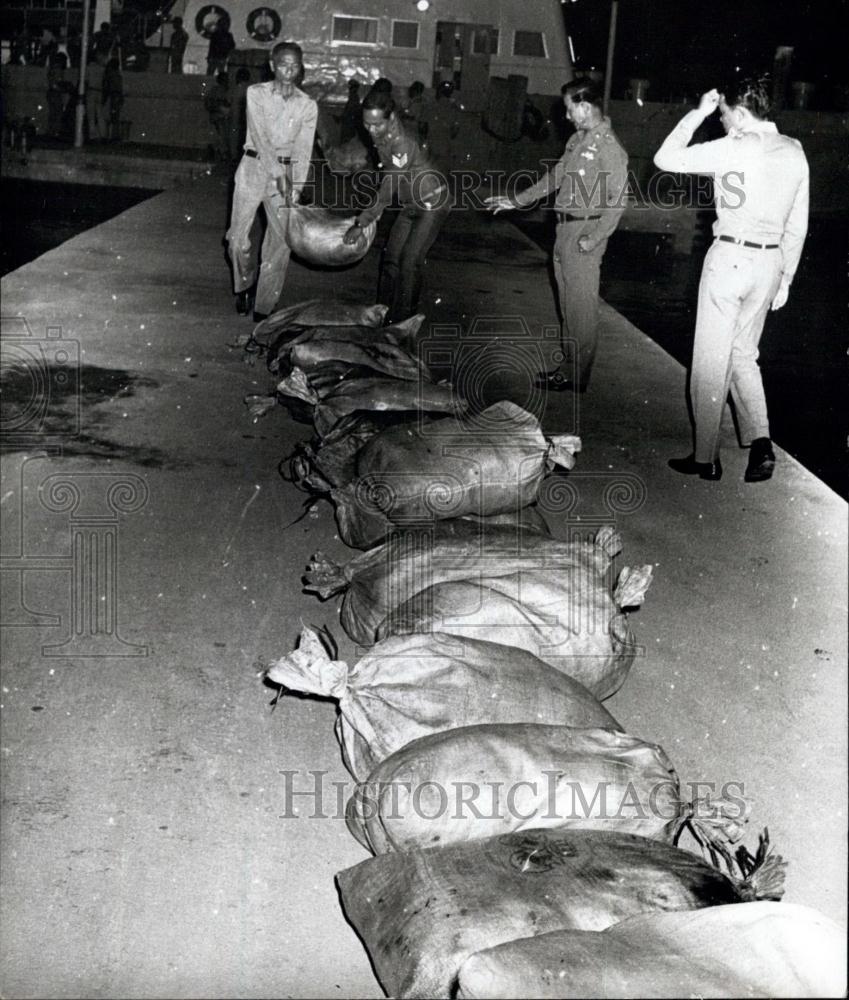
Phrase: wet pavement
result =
(40, 216)
(150, 844)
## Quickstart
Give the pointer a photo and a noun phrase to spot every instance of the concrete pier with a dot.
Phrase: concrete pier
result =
(151, 845)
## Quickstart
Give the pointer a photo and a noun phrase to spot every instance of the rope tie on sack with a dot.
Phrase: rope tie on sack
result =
(716, 825)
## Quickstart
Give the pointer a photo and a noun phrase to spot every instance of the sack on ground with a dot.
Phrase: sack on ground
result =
(529, 518)
(332, 461)
(366, 346)
(315, 235)
(422, 913)
(482, 781)
(760, 949)
(565, 615)
(377, 582)
(381, 395)
(362, 524)
(411, 686)
(489, 463)
(312, 387)
(381, 357)
(323, 312)
(310, 313)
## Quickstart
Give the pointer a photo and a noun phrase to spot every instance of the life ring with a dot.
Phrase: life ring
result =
(207, 17)
(264, 24)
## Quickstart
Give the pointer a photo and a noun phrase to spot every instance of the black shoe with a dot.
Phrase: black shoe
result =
(690, 467)
(259, 317)
(244, 302)
(554, 381)
(761, 461)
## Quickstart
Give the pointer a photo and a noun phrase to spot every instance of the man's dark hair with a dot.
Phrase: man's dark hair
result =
(243, 75)
(382, 85)
(416, 88)
(379, 100)
(751, 93)
(583, 88)
(177, 22)
(288, 47)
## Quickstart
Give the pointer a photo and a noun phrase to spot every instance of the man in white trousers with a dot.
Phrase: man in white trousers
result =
(761, 195)
(281, 121)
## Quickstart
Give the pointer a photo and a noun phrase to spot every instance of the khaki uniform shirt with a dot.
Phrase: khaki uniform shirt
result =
(589, 178)
(279, 127)
(761, 183)
(409, 173)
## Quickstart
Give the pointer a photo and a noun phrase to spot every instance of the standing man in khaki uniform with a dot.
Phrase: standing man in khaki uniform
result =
(761, 194)
(281, 121)
(590, 181)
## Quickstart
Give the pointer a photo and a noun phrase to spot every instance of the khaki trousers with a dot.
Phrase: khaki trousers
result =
(577, 275)
(255, 187)
(736, 290)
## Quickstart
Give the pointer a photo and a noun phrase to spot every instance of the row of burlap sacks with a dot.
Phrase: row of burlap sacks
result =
(523, 842)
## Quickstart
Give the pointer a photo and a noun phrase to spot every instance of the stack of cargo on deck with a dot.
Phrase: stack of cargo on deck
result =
(524, 843)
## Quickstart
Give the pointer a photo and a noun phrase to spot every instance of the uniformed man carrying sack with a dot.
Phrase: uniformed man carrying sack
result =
(761, 195)
(281, 121)
(423, 193)
(590, 181)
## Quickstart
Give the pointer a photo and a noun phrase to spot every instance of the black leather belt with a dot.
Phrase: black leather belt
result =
(566, 217)
(255, 155)
(746, 243)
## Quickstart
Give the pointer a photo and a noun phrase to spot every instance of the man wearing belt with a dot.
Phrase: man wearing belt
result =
(281, 121)
(761, 195)
(425, 200)
(590, 181)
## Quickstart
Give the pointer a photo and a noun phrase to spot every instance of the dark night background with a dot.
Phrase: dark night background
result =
(685, 47)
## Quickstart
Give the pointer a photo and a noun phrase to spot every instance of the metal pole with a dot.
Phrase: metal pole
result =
(611, 45)
(78, 122)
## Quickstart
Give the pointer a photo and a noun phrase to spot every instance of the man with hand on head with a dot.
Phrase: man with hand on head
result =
(425, 199)
(281, 121)
(590, 181)
(761, 195)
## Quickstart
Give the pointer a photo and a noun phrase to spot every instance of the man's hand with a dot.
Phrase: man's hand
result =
(709, 102)
(498, 203)
(585, 244)
(780, 296)
(354, 235)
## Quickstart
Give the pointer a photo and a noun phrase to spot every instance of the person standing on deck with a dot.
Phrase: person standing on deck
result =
(590, 181)
(761, 184)
(177, 47)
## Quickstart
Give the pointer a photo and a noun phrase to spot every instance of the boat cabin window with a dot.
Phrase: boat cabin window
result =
(405, 34)
(359, 30)
(529, 43)
(485, 42)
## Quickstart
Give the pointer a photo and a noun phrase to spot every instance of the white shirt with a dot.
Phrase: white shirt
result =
(761, 182)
